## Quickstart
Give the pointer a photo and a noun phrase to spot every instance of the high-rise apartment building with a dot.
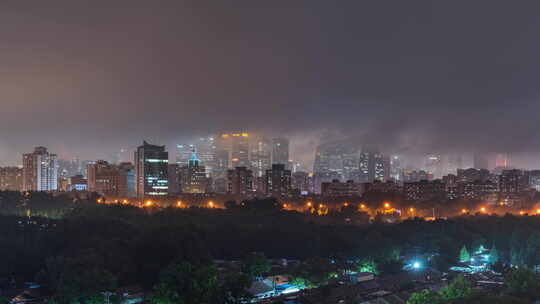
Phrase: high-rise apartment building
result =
(151, 171)
(40, 170)
(513, 181)
(278, 181)
(395, 168)
(239, 181)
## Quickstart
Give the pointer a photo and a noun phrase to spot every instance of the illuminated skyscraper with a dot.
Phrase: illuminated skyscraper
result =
(339, 159)
(373, 166)
(433, 164)
(206, 153)
(40, 170)
(237, 146)
(382, 167)
(395, 168)
(193, 176)
(261, 156)
(151, 170)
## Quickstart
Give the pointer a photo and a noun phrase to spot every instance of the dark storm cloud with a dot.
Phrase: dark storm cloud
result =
(89, 77)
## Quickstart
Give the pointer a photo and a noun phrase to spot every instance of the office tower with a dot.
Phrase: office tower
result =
(261, 156)
(280, 151)
(349, 159)
(278, 181)
(11, 178)
(239, 181)
(433, 164)
(40, 170)
(338, 158)
(111, 181)
(222, 164)
(183, 154)
(373, 166)
(320, 165)
(237, 146)
(452, 162)
(382, 167)
(193, 176)
(151, 171)
(395, 168)
(240, 150)
(366, 167)
(206, 153)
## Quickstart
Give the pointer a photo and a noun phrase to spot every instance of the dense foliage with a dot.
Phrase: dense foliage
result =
(125, 245)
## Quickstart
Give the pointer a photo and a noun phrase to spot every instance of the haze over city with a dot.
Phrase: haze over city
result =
(88, 78)
(272, 152)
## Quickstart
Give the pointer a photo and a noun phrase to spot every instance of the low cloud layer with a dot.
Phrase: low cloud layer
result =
(87, 78)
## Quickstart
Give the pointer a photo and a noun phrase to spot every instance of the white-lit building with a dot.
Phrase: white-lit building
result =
(40, 170)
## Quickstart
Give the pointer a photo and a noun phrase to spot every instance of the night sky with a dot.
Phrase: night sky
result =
(86, 78)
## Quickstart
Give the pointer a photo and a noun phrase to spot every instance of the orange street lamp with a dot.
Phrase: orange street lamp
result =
(483, 209)
(387, 205)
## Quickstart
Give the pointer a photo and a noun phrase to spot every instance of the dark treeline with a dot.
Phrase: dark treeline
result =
(130, 245)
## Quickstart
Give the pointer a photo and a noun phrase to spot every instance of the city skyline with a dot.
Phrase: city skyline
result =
(89, 80)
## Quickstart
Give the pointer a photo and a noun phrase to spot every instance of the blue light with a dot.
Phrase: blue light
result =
(416, 265)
